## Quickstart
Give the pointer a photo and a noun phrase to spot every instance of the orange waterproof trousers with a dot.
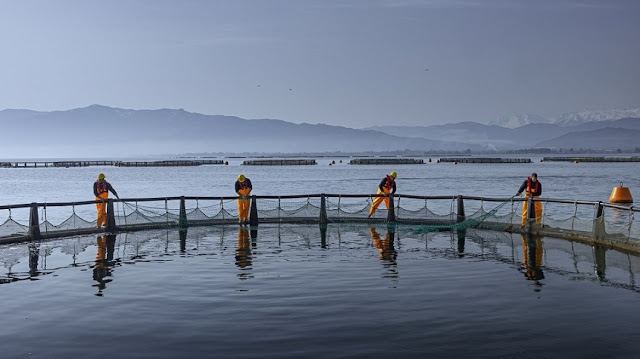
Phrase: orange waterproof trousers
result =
(102, 209)
(537, 206)
(244, 203)
(378, 200)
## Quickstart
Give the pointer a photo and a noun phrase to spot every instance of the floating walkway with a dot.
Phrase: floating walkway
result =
(279, 163)
(592, 159)
(386, 161)
(484, 160)
(593, 223)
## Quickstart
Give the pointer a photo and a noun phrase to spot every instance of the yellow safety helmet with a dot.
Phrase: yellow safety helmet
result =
(101, 176)
(241, 178)
(393, 174)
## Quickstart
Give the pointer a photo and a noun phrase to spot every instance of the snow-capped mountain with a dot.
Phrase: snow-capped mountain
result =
(566, 120)
(578, 118)
(518, 120)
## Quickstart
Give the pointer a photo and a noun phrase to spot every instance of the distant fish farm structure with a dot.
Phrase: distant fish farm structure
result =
(66, 164)
(279, 162)
(592, 159)
(485, 160)
(176, 163)
(386, 161)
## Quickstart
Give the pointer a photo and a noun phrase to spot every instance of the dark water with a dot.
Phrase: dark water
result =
(293, 291)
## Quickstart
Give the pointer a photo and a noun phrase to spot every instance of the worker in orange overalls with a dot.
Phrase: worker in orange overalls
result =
(386, 186)
(243, 189)
(533, 189)
(101, 190)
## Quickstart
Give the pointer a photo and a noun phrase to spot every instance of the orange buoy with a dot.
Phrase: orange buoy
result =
(620, 195)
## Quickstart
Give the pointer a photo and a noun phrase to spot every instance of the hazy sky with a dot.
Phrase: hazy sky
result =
(352, 63)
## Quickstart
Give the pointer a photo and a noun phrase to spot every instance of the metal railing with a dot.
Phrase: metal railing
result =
(579, 220)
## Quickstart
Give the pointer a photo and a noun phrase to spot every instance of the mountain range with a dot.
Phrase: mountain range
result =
(101, 131)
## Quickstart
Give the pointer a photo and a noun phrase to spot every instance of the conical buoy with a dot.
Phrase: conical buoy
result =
(620, 195)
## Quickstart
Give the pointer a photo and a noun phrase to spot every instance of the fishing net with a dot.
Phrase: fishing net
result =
(480, 219)
(421, 215)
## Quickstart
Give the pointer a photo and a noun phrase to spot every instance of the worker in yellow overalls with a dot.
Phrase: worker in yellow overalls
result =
(533, 189)
(101, 190)
(386, 186)
(243, 189)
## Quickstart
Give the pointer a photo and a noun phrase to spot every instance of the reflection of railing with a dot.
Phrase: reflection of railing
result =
(578, 261)
(582, 220)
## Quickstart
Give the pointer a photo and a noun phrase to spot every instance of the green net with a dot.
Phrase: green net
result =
(473, 222)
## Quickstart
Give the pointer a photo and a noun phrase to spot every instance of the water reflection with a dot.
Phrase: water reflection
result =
(619, 217)
(243, 252)
(388, 253)
(28, 261)
(532, 258)
(34, 254)
(599, 256)
(462, 234)
(102, 270)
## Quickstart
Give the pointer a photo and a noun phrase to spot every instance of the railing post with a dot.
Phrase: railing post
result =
(532, 209)
(530, 214)
(598, 222)
(182, 219)
(323, 210)
(460, 205)
(253, 214)
(111, 217)
(34, 223)
(391, 214)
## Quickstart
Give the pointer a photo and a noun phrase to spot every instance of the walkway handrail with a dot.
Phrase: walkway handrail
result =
(319, 195)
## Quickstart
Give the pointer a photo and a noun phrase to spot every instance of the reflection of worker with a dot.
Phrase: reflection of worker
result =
(532, 257)
(533, 189)
(104, 258)
(243, 253)
(387, 251)
(387, 186)
(243, 189)
(101, 190)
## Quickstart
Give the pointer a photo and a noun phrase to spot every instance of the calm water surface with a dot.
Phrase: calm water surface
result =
(291, 292)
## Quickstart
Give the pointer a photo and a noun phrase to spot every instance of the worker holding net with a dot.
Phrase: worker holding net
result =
(243, 189)
(386, 186)
(533, 189)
